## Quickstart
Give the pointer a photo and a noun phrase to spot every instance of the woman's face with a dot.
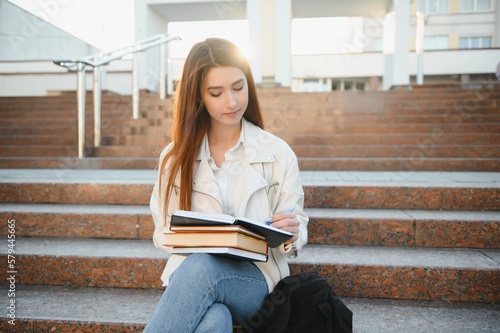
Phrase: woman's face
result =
(225, 95)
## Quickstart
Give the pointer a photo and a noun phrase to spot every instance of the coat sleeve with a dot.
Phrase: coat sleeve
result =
(292, 196)
(156, 204)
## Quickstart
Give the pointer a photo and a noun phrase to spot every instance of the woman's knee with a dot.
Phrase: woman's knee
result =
(198, 265)
(216, 319)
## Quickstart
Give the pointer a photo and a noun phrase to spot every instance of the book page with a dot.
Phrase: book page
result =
(224, 218)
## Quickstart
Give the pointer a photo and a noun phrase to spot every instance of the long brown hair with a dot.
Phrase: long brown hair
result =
(191, 119)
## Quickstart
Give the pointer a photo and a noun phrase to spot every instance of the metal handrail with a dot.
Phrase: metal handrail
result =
(98, 60)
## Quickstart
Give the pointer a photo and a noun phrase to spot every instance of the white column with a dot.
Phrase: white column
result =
(254, 17)
(497, 24)
(283, 43)
(398, 28)
(268, 41)
(147, 24)
(388, 49)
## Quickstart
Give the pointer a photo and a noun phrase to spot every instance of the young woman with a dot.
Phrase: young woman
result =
(222, 161)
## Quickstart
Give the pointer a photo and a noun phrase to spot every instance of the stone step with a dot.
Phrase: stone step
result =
(128, 310)
(376, 150)
(79, 221)
(360, 227)
(59, 130)
(336, 139)
(394, 227)
(139, 140)
(400, 164)
(33, 140)
(127, 151)
(315, 151)
(314, 109)
(40, 150)
(285, 126)
(455, 275)
(474, 191)
(323, 116)
(41, 122)
(391, 139)
(70, 112)
(73, 162)
(417, 163)
(445, 108)
(367, 104)
(383, 118)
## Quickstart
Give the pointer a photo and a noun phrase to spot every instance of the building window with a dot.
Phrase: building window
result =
(436, 43)
(475, 42)
(433, 6)
(475, 5)
(353, 85)
(360, 86)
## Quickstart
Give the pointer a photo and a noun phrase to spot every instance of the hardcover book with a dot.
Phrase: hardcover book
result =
(238, 238)
(273, 236)
(224, 251)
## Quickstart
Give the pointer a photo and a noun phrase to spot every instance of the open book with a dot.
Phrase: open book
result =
(274, 236)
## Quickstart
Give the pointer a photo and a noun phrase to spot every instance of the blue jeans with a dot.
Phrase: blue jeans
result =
(206, 294)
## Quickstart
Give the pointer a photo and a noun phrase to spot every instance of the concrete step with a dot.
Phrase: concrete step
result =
(474, 191)
(285, 126)
(128, 310)
(69, 112)
(391, 139)
(137, 140)
(375, 150)
(422, 140)
(322, 116)
(59, 130)
(281, 126)
(398, 164)
(418, 163)
(73, 162)
(322, 151)
(457, 275)
(412, 228)
(40, 150)
(332, 117)
(127, 151)
(34, 140)
(360, 227)
(79, 221)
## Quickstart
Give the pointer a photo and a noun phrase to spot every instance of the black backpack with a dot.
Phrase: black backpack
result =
(301, 303)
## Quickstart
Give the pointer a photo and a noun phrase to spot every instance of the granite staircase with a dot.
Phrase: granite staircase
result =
(433, 129)
(410, 244)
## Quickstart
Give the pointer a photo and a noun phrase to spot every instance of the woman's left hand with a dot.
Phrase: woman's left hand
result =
(287, 221)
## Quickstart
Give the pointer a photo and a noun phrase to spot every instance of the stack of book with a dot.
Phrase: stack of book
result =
(222, 234)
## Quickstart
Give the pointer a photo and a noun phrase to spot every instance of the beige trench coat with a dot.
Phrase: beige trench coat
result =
(269, 184)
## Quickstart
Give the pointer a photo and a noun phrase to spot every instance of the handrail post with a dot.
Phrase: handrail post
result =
(163, 71)
(97, 106)
(135, 86)
(81, 91)
(97, 61)
(170, 82)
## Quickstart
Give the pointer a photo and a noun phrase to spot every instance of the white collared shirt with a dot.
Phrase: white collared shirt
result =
(228, 171)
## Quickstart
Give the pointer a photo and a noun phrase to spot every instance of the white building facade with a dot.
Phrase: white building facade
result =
(461, 40)
(376, 50)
